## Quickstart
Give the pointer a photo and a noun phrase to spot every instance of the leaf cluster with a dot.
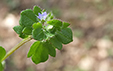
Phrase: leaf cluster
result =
(49, 34)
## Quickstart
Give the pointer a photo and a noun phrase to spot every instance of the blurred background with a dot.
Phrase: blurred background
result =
(92, 25)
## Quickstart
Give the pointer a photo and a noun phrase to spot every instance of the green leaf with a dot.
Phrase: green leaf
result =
(28, 18)
(2, 53)
(65, 25)
(43, 10)
(37, 25)
(49, 35)
(65, 35)
(49, 16)
(18, 29)
(1, 67)
(54, 22)
(27, 30)
(41, 54)
(22, 35)
(56, 43)
(51, 29)
(50, 48)
(38, 34)
(36, 10)
(33, 48)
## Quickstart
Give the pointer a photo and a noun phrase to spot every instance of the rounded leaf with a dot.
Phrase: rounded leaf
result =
(55, 22)
(41, 54)
(22, 35)
(65, 35)
(50, 48)
(18, 29)
(38, 34)
(37, 25)
(27, 18)
(27, 30)
(56, 43)
(33, 48)
(36, 10)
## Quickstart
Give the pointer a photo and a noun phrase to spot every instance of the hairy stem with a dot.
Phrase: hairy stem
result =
(16, 47)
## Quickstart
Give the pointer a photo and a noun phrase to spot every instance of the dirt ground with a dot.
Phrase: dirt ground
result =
(92, 25)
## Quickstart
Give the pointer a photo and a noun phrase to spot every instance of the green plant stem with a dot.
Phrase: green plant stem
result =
(16, 47)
